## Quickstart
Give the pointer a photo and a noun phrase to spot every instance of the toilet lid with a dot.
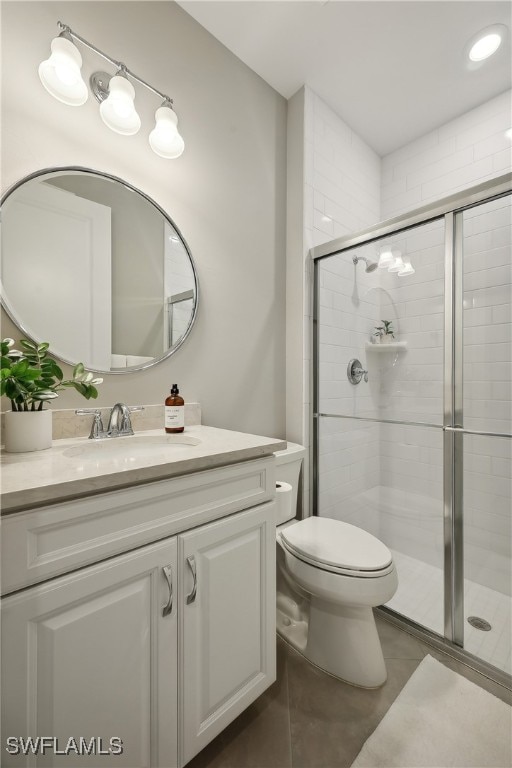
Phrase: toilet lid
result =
(337, 544)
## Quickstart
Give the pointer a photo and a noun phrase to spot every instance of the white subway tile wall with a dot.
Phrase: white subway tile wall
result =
(488, 316)
(341, 195)
(466, 151)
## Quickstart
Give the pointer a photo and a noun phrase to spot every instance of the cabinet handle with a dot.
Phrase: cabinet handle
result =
(192, 565)
(168, 575)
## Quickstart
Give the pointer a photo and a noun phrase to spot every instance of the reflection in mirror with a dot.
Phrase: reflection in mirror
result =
(96, 268)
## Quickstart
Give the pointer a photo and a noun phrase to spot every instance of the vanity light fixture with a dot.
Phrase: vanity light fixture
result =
(386, 258)
(61, 76)
(60, 73)
(397, 265)
(164, 139)
(408, 269)
(118, 110)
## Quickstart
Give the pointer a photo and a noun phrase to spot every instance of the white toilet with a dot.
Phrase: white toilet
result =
(329, 577)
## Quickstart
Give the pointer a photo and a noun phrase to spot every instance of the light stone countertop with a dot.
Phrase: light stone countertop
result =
(77, 467)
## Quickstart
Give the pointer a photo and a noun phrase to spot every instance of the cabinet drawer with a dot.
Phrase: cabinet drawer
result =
(43, 543)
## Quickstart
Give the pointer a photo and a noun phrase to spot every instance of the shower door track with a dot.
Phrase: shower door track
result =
(450, 209)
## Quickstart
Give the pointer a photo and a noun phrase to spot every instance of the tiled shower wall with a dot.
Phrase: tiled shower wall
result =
(341, 195)
(387, 467)
(466, 151)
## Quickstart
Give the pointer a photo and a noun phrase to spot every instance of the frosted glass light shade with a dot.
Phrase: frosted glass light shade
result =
(165, 139)
(397, 265)
(386, 258)
(408, 269)
(118, 110)
(60, 74)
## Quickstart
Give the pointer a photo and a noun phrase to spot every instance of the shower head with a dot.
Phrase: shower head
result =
(370, 265)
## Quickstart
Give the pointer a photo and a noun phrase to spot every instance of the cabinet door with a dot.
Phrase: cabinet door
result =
(227, 625)
(92, 656)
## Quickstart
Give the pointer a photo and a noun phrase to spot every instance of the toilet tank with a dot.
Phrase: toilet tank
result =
(288, 467)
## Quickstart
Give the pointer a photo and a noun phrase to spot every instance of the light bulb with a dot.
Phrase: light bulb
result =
(165, 139)
(397, 264)
(118, 110)
(60, 73)
(485, 47)
(385, 259)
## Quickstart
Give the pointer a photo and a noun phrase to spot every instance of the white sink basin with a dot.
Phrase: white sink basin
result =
(130, 449)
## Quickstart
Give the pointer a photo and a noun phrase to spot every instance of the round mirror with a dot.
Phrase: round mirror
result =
(97, 269)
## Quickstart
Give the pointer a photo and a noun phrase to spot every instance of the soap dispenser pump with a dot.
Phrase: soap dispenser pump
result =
(174, 411)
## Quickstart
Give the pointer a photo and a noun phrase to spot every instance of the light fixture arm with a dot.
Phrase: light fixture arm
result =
(118, 64)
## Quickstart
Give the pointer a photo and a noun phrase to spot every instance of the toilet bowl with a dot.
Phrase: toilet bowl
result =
(330, 576)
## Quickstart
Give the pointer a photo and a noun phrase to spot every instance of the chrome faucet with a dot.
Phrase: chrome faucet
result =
(356, 372)
(119, 423)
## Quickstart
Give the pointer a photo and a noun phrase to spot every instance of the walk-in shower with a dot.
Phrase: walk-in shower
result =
(418, 451)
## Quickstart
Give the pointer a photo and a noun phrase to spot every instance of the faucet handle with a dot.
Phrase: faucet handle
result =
(97, 429)
(133, 408)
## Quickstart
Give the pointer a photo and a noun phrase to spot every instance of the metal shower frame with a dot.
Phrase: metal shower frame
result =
(451, 209)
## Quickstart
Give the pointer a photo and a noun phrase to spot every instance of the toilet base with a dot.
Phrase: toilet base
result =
(343, 640)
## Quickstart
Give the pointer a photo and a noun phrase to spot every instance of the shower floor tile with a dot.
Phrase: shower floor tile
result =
(420, 598)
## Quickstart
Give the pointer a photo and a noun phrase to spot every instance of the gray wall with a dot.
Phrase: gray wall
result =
(227, 193)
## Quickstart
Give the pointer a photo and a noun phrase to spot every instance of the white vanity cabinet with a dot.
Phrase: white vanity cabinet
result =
(227, 624)
(159, 647)
(92, 655)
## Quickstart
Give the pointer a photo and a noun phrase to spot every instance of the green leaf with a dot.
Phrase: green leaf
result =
(28, 345)
(32, 374)
(78, 370)
(19, 368)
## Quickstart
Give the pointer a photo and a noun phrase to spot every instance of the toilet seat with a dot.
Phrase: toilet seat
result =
(337, 547)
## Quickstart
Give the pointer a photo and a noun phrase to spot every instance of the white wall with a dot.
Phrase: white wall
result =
(227, 193)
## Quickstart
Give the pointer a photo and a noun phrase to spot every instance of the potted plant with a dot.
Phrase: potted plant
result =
(384, 334)
(29, 378)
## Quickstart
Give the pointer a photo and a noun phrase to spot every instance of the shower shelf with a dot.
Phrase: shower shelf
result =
(394, 346)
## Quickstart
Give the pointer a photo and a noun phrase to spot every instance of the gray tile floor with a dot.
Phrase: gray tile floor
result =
(308, 719)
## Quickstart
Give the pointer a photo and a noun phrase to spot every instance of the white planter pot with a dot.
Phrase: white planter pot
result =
(28, 431)
(386, 339)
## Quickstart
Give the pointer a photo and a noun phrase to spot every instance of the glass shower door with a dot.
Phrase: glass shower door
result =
(486, 348)
(412, 437)
(380, 433)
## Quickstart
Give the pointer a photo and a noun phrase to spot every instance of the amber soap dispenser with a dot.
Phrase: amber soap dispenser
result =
(174, 411)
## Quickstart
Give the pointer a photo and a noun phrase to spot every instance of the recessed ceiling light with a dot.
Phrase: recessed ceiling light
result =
(486, 42)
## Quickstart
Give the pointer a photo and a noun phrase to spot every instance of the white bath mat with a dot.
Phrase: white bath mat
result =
(441, 720)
